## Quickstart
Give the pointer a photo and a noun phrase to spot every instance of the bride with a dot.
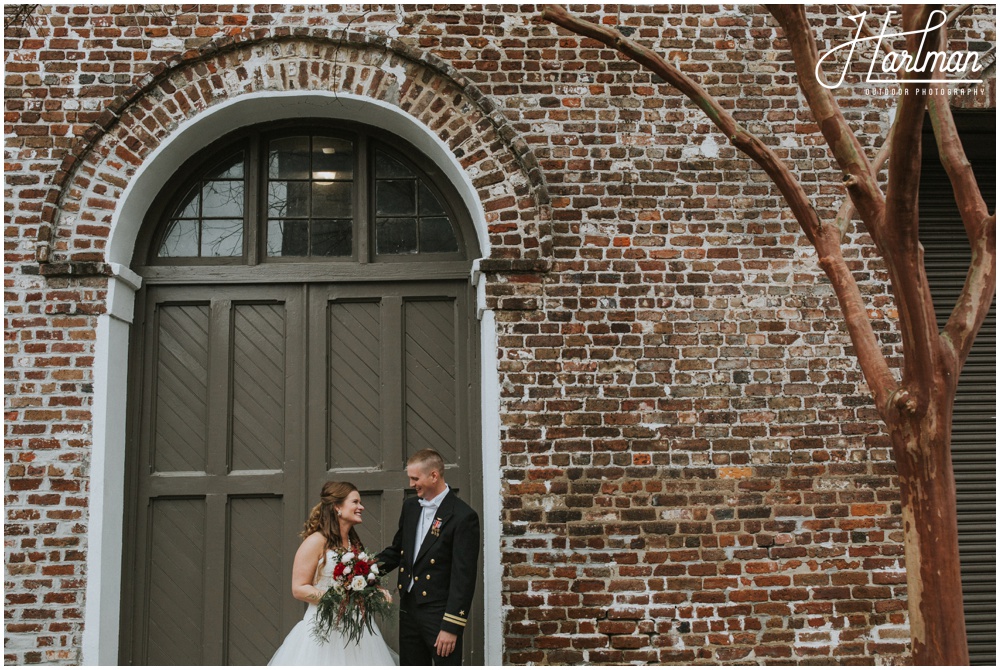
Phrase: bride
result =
(328, 533)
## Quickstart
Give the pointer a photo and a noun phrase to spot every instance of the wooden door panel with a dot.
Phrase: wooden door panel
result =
(431, 416)
(173, 620)
(181, 388)
(376, 525)
(355, 381)
(258, 386)
(257, 584)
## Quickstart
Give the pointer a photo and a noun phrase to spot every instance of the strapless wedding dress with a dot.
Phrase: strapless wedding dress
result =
(301, 648)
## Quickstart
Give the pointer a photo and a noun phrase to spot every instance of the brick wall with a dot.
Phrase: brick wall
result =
(691, 467)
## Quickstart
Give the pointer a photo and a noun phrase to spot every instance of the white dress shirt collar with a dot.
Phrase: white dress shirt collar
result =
(436, 501)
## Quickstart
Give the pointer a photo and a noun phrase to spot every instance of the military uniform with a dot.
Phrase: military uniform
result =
(443, 575)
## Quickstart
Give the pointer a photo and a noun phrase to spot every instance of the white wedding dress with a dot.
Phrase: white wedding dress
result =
(301, 648)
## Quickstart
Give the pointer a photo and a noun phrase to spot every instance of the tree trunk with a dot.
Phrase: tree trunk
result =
(922, 447)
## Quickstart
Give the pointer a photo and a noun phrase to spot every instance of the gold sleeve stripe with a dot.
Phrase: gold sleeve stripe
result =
(457, 620)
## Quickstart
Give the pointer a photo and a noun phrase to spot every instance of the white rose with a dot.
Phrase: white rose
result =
(347, 571)
(374, 568)
(371, 577)
(358, 583)
(347, 558)
(362, 556)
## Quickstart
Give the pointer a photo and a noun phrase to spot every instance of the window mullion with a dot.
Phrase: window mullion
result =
(362, 197)
(201, 213)
(310, 188)
(252, 201)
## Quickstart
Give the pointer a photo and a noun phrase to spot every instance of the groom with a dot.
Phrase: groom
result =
(436, 549)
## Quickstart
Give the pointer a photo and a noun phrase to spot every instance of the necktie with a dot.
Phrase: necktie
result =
(427, 509)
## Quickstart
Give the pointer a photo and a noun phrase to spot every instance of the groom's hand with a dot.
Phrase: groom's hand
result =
(445, 643)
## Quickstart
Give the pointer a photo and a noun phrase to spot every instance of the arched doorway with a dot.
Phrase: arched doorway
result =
(305, 315)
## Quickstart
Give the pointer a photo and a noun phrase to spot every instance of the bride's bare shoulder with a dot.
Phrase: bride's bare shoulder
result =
(316, 538)
(314, 543)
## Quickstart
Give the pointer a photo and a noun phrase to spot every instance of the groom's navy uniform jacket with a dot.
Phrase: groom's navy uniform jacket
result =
(444, 570)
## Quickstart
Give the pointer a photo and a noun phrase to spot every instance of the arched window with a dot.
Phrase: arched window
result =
(307, 193)
(209, 219)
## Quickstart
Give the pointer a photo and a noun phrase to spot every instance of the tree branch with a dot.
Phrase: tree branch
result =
(974, 302)
(956, 13)
(19, 16)
(859, 178)
(847, 209)
(743, 140)
(825, 238)
(903, 253)
(971, 204)
(973, 305)
(867, 31)
(880, 379)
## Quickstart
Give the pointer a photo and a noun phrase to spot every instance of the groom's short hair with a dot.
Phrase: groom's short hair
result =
(429, 459)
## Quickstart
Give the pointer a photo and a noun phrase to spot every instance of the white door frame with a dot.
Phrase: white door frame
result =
(102, 609)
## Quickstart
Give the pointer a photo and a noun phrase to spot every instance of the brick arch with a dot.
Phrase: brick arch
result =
(98, 193)
(81, 207)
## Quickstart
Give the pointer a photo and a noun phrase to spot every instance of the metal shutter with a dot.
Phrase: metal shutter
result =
(974, 437)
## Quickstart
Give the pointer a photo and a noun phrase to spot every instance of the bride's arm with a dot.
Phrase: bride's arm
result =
(304, 569)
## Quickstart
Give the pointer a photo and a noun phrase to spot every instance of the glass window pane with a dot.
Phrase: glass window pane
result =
(287, 199)
(222, 199)
(190, 205)
(287, 238)
(332, 159)
(181, 240)
(222, 237)
(437, 235)
(396, 236)
(332, 199)
(231, 168)
(429, 205)
(310, 205)
(288, 158)
(331, 238)
(387, 167)
(396, 198)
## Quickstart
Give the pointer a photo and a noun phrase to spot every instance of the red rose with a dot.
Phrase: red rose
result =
(338, 569)
(361, 568)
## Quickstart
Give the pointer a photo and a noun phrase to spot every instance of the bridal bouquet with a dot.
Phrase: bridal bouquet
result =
(350, 605)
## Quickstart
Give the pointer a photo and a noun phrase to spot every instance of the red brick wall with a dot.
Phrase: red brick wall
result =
(691, 467)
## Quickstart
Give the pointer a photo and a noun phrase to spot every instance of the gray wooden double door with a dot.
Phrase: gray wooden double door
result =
(251, 398)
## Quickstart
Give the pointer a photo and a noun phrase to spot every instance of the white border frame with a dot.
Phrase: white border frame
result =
(102, 608)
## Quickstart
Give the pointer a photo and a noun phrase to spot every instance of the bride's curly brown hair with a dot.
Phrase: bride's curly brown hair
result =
(323, 518)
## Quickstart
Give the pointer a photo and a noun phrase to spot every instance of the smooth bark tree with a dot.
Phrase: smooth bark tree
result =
(917, 405)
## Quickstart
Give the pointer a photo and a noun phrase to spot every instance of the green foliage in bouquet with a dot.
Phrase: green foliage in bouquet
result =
(354, 600)
(350, 612)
